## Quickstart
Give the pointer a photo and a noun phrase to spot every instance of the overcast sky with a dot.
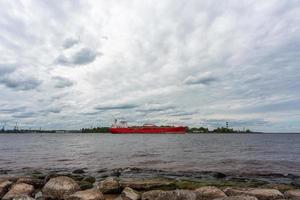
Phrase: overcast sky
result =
(73, 64)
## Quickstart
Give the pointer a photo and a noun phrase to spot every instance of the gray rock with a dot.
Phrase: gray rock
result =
(209, 192)
(157, 195)
(23, 197)
(89, 179)
(4, 186)
(292, 194)
(130, 194)
(78, 171)
(169, 195)
(239, 197)
(261, 194)
(84, 185)
(60, 188)
(19, 189)
(90, 194)
(109, 185)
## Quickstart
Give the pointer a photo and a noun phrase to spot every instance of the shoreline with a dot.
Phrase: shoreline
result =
(143, 180)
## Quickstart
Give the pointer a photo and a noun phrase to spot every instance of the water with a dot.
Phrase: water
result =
(248, 153)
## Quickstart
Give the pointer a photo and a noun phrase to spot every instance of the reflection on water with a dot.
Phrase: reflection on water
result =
(276, 153)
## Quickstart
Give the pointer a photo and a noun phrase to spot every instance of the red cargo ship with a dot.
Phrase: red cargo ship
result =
(122, 128)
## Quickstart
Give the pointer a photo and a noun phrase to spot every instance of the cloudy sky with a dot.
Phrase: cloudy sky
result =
(73, 64)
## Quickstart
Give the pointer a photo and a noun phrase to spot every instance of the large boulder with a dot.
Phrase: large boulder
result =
(157, 195)
(19, 189)
(60, 188)
(109, 185)
(239, 197)
(209, 192)
(23, 197)
(145, 184)
(169, 195)
(90, 194)
(4, 186)
(292, 194)
(261, 194)
(130, 194)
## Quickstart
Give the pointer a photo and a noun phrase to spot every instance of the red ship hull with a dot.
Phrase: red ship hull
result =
(149, 130)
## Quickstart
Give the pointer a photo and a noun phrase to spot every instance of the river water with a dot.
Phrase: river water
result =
(234, 153)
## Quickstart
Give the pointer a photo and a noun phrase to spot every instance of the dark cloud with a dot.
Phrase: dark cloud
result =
(6, 69)
(82, 57)
(156, 108)
(202, 79)
(116, 107)
(20, 83)
(70, 42)
(27, 114)
(12, 109)
(61, 82)
(52, 110)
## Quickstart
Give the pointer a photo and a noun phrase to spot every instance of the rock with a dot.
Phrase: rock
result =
(85, 185)
(60, 188)
(78, 171)
(292, 194)
(89, 179)
(37, 183)
(19, 189)
(239, 197)
(280, 187)
(130, 194)
(23, 197)
(4, 186)
(109, 185)
(157, 195)
(296, 182)
(146, 184)
(209, 192)
(261, 194)
(218, 175)
(169, 195)
(90, 194)
(184, 195)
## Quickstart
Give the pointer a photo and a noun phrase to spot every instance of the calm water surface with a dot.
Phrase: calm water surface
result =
(251, 153)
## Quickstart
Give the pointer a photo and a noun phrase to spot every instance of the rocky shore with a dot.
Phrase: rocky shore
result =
(135, 184)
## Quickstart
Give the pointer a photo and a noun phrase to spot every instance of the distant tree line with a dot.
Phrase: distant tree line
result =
(217, 130)
(95, 130)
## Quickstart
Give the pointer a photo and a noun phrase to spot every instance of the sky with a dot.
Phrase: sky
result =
(78, 63)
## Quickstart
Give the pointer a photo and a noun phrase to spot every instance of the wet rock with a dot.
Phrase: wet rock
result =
(90, 194)
(169, 195)
(89, 179)
(218, 175)
(209, 192)
(4, 186)
(109, 185)
(19, 189)
(37, 174)
(296, 182)
(85, 185)
(280, 187)
(78, 171)
(292, 194)
(146, 184)
(261, 194)
(23, 197)
(60, 187)
(37, 183)
(239, 197)
(130, 194)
